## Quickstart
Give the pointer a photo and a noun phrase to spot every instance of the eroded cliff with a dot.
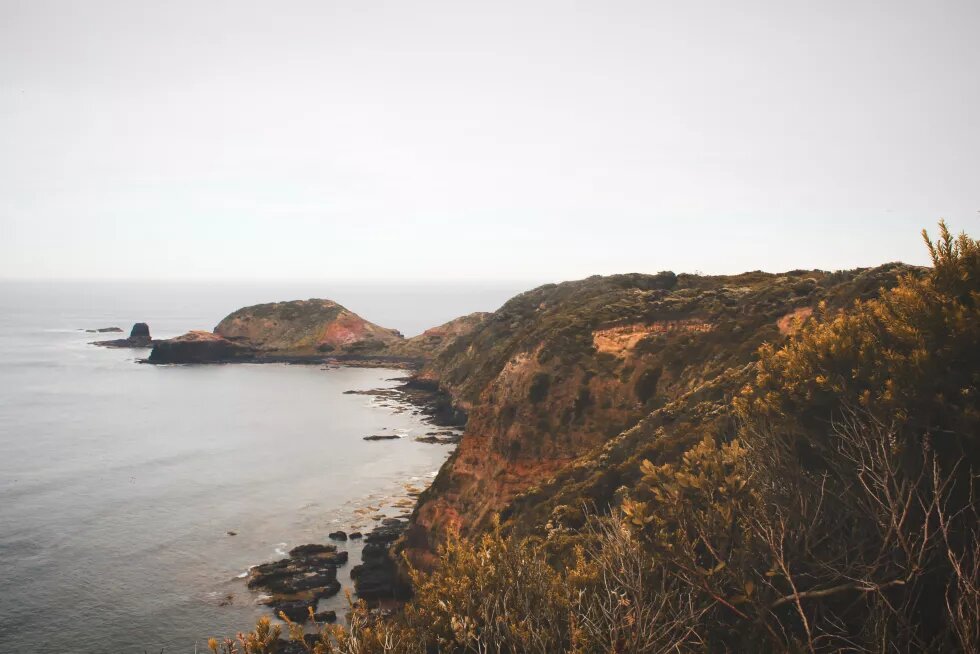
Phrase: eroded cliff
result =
(560, 375)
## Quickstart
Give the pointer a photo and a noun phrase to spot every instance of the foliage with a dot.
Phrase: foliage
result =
(845, 514)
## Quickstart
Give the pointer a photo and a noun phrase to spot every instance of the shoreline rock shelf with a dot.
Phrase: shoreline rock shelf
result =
(378, 577)
(295, 584)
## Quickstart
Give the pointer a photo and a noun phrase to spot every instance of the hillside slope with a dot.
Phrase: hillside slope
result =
(564, 370)
(311, 330)
(435, 340)
(305, 327)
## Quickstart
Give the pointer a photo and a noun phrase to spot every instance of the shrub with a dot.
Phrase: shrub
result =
(538, 390)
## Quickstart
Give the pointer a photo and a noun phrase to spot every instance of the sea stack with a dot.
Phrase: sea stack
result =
(139, 336)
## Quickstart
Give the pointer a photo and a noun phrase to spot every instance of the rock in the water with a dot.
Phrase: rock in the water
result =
(104, 330)
(382, 437)
(199, 347)
(309, 550)
(140, 331)
(354, 535)
(309, 574)
(296, 610)
(139, 336)
(337, 535)
(325, 616)
(378, 577)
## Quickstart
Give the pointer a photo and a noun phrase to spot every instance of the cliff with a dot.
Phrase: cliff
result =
(567, 385)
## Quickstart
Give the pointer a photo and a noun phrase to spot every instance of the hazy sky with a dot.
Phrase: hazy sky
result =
(481, 140)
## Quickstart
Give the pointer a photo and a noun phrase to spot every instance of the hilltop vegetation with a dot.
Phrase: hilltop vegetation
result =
(798, 473)
(305, 327)
(563, 369)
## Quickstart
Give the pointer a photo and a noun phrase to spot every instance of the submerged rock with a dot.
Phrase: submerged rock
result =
(382, 437)
(337, 535)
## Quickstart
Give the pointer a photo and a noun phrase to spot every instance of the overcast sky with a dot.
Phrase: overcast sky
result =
(480, 140)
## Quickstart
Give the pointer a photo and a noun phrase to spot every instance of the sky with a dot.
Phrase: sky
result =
(457, 140)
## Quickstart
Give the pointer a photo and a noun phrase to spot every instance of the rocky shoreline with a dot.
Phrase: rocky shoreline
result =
(293, 586)
(319, 332)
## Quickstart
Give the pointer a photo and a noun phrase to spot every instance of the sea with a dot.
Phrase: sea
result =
(134, 498)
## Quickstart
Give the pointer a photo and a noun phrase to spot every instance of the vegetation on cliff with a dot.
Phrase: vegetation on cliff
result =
(305, 327)
(606, 361)
(435, 340)
(817, 493)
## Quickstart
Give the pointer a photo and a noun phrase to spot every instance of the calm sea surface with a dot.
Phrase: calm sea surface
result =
(119, 481)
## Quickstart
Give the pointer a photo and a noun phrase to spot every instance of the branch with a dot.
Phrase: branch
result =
(824, 592)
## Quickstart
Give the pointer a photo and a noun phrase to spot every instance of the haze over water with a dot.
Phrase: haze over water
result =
(120, 481)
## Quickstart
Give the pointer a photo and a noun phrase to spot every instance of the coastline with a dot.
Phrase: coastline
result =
(354, 560)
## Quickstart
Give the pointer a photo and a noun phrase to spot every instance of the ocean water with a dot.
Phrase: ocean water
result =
(120, 481)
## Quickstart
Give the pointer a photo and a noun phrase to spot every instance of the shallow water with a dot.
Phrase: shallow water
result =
(119, 481)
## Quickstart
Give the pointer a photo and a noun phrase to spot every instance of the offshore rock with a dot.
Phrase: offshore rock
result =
(139, 337)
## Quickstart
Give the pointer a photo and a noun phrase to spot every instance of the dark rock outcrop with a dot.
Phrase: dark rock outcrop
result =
(337, 535)
(378, 577)
(139, 337)
(296, 583)
(199, 347)
(325, 616)
(297, 610)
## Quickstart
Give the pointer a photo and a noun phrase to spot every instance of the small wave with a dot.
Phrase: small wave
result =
(244, 574)
(281, 549)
